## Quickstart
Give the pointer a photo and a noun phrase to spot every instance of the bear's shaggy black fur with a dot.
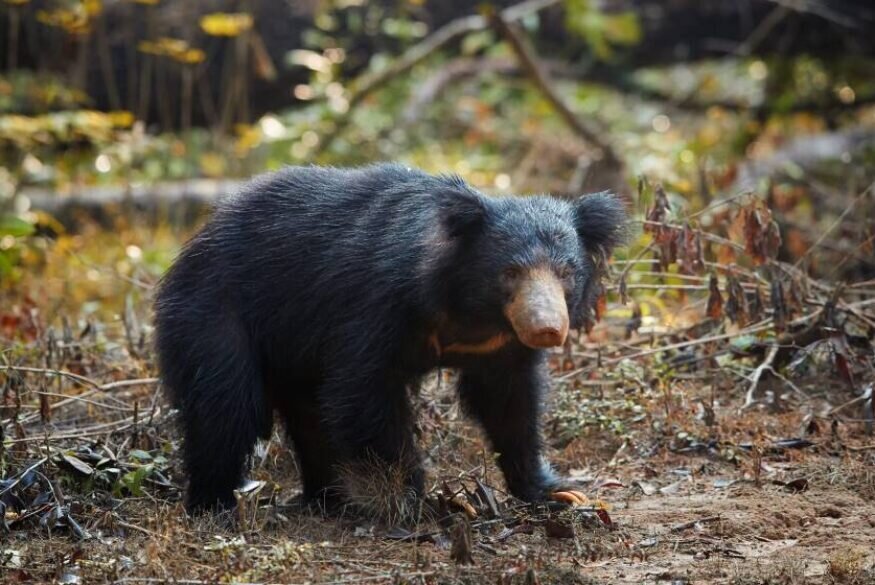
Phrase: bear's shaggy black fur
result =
(320, 294)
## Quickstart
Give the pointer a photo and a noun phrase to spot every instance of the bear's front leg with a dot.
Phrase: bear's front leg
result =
(504, 393)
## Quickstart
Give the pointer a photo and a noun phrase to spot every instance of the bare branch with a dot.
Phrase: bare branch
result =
(530, 63)
(368, 83)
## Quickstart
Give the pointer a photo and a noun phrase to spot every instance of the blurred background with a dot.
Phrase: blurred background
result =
(742, 134)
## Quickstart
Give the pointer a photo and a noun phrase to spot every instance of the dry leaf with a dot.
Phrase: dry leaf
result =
(715, 299)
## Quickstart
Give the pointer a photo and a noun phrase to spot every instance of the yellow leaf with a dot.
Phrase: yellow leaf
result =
(226, 24)
(191, 56)
(121, 118)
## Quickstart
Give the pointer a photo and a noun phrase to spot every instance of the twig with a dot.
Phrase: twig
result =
(81, 398)
(50, 372)
(758, 373)
(154, 534)
(621, 282)
(79, 378)
(848, 404)
(705, 235)
(21, 475)
(367, 84)
(762, 326)
(95, 430)
(839, 220)
(95, 386)
(691, 523)
(530, 63)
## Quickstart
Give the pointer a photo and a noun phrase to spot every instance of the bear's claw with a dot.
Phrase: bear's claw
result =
(571, 497)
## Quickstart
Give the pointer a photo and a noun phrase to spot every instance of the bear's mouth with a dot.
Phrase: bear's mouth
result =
(537, 310)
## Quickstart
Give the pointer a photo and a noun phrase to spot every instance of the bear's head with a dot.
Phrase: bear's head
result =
(530, 264)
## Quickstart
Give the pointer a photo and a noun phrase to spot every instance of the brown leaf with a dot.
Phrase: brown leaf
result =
(664, 236)
(736, 301)
(797, 485)
(715, 299)
(842, 356)
(604, 517)
(658, 212)
(761, 235)
(487, 496)
(634, 323)
(725, 255)
(691, 259)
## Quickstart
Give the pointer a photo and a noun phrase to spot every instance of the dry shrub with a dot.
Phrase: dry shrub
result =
(852, 566)
(380, 491)
(770, 572)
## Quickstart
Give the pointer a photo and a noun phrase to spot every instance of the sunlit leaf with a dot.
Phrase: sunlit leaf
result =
(121, 118)
(77, 464)
(11, 225)
(226, 24)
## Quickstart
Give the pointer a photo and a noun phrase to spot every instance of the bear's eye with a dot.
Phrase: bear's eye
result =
(512, 273)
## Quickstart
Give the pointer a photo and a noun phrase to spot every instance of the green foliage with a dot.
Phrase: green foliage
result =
(602, 30)
(27, 92)
(16, 227)
(132, 481)
(12, 230)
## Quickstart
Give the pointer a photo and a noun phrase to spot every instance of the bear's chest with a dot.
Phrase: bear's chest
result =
(454, 344)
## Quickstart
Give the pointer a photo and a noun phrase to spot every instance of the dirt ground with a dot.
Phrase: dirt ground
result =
(681, 509)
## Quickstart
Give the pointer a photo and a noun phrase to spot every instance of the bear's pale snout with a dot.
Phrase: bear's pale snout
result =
(537, 309)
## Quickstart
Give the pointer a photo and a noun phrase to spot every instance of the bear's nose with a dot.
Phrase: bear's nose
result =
(547, 337)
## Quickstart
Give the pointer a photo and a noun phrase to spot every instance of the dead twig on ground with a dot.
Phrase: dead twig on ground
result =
(683, 526)
(765, 366)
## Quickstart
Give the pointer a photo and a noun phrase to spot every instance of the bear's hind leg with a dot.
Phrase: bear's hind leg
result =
(314, 451)
(217, 387)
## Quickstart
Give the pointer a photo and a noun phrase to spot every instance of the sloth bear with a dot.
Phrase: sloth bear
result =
(323, 295)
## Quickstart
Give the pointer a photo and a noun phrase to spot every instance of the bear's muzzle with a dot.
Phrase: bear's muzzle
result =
(537, 309)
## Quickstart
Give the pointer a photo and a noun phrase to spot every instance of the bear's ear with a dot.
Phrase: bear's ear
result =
(600, 220)
(461, 213)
